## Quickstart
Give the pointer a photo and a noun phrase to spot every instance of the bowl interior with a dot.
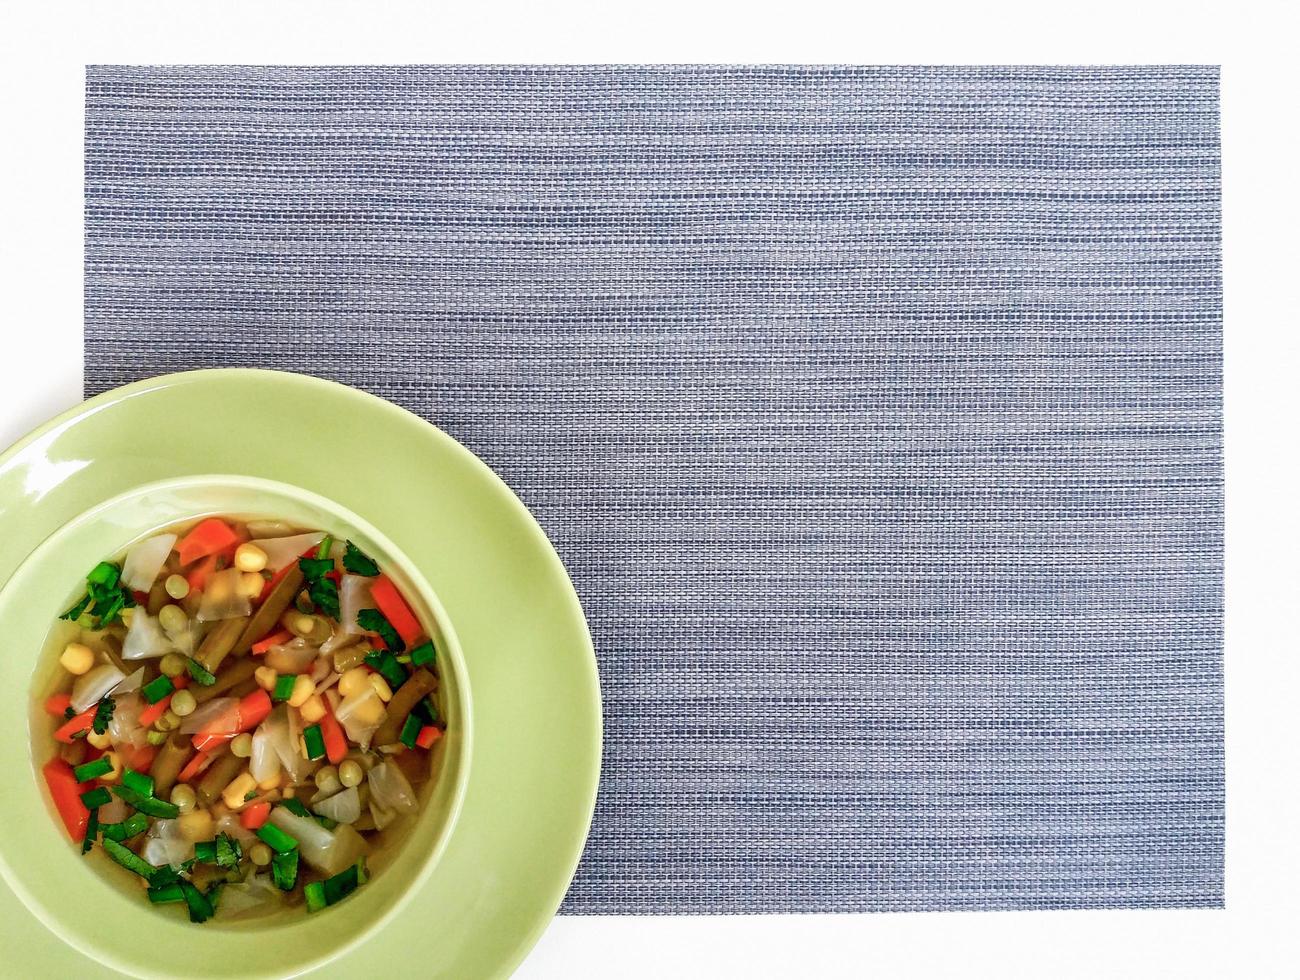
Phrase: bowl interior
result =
(102, 915)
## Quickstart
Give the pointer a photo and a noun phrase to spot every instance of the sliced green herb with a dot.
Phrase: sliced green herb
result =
(325, 593)
(69, 712)
(423, 654)
(228, 852)
(200, 906)
(283, 687)
(96, 797)
(284, 869)
(128, 858)
(167, 875)
(138, 782)
(199, 673)
(146, 804)
(276, 839)
(326, 822)
(167, 893)
(326, 544)
(358, 562)
(136, 823)
(92, 828)
(79, 608)
(426, 711)
(388, 667)
(158, 688)
(314, 740)
(410, 730)
(314, 892)
(90, 770)
(294, 805)
(205, 851)
(103, 715)
(372, 620)
(343, 884)
(315, 568)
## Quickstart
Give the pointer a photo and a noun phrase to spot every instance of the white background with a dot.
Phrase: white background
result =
(46, 45)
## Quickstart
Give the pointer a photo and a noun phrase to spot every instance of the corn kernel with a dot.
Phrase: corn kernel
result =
(115, 761)
(303, 688)
(195, 825)
(369, 711)
(312, 710)
(99, 741)
(353, 681)
(251, 585)
(266, 678)
(77, 658)
(269, 784)
(381, 688)
(260, 854)
(233, 795)
(249, 557)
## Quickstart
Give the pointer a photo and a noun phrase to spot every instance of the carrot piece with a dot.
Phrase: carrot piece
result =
(78, 724)
(140, 759)
(197, 576)
(57, 704)
(395, 609)
(65, 791)
(195, 766)
(206, 538)
(155, 711)
(253, 816)
(266, 642)
(336, 746)
(428, 735)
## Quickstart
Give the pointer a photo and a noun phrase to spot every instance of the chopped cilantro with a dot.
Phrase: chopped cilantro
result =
(375, 622)
(325, 593)
(314, 568)
(358, 562)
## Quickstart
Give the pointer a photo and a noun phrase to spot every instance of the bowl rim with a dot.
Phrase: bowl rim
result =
(453, 655)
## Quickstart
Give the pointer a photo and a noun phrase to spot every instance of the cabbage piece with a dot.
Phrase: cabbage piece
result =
(145, 560)
(342, 807)
(165, 844)
(293, 657)
(222, 598)
(219, 712)
(258, 892)
(285, 551)
(264, 763)
(229, 824)
(381, 815)
(329, 852)
(145, 639)
(244, 897)
(354, 596)
(390, 788)
(94, 684)
(132, 682)
(124, 728)
(347, 715)
(281, 731)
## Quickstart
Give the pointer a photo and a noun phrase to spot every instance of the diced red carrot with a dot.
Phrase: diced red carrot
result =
(155, 711)
(336, 746)
(78, 724)
(65, 791)
(266, 642)
(428, 735)
(252, 817)
(395, 609)
(335, 576)
(57, 704)
(140, 759)
(206, 538)
(141, 598)
(197, 576)
(196, 765)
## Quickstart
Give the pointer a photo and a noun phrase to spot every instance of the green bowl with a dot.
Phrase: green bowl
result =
(468, 911)
(95, 909)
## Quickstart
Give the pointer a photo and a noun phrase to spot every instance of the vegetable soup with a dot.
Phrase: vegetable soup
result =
(246, 712)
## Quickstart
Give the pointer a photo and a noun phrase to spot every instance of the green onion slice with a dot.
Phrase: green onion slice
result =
(90, 770)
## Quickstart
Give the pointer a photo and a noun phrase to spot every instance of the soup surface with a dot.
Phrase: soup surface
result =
(245, 713)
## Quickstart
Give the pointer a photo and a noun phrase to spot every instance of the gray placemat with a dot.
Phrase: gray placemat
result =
(875, 412)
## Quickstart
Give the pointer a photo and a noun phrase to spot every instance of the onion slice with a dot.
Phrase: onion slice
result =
(145, 560)
(93, 685)
(283, 551)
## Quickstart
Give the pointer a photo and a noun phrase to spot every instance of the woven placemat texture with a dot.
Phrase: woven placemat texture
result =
(874, 411)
